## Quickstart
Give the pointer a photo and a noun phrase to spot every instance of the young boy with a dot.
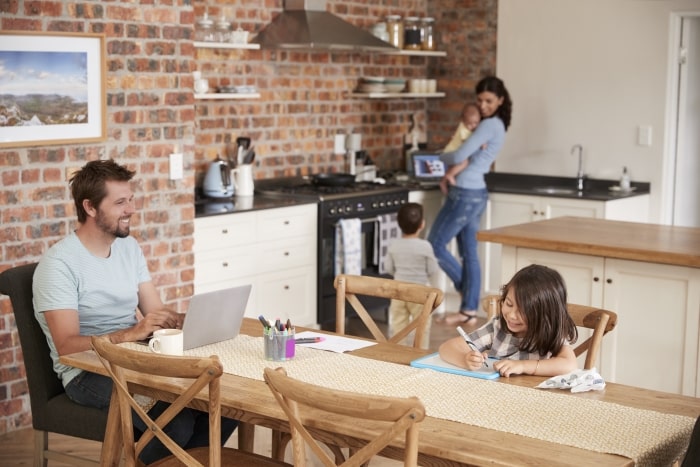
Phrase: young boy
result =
(409, 258)
(470, 120)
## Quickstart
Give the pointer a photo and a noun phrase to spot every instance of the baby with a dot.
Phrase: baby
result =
(470, 120)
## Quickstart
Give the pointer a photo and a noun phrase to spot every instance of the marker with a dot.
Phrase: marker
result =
(308, 340)
(263, 321)
(470, 343)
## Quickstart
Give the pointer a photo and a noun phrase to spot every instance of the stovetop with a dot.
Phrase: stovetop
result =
(304, 187)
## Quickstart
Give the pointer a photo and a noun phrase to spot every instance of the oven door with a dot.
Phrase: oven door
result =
(377, 307)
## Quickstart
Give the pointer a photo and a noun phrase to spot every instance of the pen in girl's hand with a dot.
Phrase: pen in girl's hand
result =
(470, 343)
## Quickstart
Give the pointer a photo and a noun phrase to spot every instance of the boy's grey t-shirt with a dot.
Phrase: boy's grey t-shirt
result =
(411, 260)
(103, 290)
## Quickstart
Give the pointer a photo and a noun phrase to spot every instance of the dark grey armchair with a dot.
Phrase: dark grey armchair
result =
(52, 410)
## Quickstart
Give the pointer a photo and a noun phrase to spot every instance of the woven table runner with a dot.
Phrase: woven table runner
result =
(649, 438)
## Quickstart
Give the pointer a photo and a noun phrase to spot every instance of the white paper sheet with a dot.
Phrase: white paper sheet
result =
(339, 344)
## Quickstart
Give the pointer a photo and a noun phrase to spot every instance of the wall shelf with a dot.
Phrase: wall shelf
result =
(420, 53)
(225, 45)
(396, 95)
(227, 95)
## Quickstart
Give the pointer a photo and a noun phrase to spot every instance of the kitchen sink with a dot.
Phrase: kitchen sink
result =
(554, 190)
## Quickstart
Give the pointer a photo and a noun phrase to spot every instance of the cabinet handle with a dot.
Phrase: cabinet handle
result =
(596, 279)
(609, 281)
(286, 287)
(534, 213)
(224, 231)
(225, 264)
(286, 253)
(286, 222)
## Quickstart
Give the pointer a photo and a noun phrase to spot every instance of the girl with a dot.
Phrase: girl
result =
(531, 336)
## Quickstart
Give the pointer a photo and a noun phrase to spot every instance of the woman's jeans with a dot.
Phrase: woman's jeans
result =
(460, 217)
(189, 428)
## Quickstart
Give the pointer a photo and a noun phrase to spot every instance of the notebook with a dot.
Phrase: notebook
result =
(434, 362)
(427, 167)
(214, 316)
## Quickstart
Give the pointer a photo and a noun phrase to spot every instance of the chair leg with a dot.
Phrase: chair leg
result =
(41, 444)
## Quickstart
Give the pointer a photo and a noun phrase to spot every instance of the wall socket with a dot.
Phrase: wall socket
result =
(339, 144)
(176, 169)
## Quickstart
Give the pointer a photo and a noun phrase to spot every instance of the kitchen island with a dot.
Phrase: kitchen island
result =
(648, 274)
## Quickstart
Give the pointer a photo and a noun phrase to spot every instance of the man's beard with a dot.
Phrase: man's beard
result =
(116, 231)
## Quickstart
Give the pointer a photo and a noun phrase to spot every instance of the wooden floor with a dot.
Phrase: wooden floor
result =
(16, 448)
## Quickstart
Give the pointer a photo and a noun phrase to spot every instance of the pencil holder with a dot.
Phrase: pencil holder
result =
(279, 345)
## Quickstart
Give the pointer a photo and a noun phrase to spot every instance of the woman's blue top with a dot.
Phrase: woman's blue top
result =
(490, 132)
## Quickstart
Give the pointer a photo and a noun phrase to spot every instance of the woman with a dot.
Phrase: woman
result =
(460, 215)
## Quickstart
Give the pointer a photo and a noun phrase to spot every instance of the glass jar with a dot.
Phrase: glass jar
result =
(204, 29)
(394, 27)
(412, 34)
(427, 36)
(222, 33)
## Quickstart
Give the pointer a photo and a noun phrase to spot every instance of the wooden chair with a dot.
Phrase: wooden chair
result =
(52, 410)
(199, 373)
(349, 287)
(598, 320)
(295, 396)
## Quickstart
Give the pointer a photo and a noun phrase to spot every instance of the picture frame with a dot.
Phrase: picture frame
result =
(52, 88)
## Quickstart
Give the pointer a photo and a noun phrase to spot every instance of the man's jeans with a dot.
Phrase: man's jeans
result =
(460, 217)
(189, 428)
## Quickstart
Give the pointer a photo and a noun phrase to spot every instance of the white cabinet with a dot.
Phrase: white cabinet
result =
(655, 344)
(509, 209)
(274, 249)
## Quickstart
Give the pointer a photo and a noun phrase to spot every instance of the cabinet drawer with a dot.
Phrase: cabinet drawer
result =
(224, 263)
(288, 295)
(285, 254)
(223, 231)
(298, 221)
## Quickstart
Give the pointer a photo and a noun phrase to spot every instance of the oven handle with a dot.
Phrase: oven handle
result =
(364, 221)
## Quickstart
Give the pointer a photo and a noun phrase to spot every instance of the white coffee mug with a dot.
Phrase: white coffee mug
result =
(167, 341)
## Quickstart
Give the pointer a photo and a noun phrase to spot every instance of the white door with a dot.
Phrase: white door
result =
(685, 200)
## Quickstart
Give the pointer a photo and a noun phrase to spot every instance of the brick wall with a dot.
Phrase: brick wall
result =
(151, 112)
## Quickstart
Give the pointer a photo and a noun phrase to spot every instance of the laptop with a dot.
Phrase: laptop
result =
(427, 168)
(214, 316)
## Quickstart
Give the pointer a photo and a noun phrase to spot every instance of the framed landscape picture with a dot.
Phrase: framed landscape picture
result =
(52, 88)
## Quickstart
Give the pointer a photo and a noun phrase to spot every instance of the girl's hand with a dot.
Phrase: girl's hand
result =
(474, 360)
(510, 367)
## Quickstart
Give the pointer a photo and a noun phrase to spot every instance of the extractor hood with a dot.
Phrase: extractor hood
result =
(305, 24)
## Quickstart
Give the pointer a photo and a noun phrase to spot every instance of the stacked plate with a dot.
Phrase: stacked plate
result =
(378, 84)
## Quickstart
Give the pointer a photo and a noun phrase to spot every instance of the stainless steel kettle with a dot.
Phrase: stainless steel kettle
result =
(217, 182)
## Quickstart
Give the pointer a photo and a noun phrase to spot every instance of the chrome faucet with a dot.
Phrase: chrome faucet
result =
(579, 175)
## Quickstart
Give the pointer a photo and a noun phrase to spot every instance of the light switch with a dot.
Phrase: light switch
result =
(644, 135)
(176, 169)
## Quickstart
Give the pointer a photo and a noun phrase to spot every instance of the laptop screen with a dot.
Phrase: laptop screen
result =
(427, 166)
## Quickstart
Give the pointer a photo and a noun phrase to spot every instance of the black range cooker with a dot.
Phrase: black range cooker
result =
(363, 200)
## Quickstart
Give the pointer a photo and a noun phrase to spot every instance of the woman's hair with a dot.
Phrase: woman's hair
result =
(90, 183)
(496, 86)
(540, 295)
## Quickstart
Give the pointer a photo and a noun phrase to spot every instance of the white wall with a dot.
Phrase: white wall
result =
(588, 72)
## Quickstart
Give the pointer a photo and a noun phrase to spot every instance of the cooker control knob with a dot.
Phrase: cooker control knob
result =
(382, 204)
(375, 205)
(348, 209)
(331, 211)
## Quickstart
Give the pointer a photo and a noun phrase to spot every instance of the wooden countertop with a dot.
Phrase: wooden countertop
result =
(598, 237)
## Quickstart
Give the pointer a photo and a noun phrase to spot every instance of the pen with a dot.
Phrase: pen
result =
(263, 321)
(470, 343)
(308, 340)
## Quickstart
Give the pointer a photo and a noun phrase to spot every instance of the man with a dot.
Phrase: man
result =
(92, 283)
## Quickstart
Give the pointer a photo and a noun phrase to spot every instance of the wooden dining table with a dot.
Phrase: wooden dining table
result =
(441, 442)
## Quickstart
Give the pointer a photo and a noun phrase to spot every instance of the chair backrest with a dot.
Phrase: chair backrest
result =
(349, 287)
(295, 396)
(42, 380)
(598, 320)
(201, 373)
